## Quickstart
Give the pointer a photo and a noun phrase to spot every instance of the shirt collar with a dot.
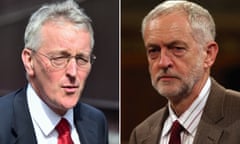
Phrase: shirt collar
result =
(199, 101)
(43, 116)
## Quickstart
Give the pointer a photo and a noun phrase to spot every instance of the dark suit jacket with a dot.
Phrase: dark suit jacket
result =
(219, 124)
(16, 126)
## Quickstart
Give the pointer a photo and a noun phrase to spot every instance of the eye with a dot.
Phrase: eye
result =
(59, 60)
(81, 60)
(178, 51)
(178, 48)
(153, 52)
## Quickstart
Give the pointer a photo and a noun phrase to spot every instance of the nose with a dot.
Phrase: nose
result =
(72, 68)
(165, 59)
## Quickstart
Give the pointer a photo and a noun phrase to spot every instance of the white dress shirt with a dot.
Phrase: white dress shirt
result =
(45, 120)
(189, 119)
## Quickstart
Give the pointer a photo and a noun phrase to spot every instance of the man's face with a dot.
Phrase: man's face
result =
(176, 60)
(60, 88)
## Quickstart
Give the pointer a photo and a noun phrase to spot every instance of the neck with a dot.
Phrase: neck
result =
(180, 106)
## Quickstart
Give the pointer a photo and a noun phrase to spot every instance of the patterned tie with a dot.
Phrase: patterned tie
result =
(64, 134)
(175, 133)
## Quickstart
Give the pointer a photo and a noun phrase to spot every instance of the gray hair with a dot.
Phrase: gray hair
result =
(202, 23)
(61, 11)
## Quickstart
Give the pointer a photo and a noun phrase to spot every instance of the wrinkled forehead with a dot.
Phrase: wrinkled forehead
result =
(168, 22)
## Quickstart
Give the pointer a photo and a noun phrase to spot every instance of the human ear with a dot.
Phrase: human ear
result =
(211, 54)
(28, 61)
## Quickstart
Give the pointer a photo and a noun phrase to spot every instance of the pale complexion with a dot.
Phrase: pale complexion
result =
(179, 66)
(59, 89)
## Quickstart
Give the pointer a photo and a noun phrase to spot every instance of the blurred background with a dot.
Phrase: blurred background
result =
(138, 98)
(102, 88)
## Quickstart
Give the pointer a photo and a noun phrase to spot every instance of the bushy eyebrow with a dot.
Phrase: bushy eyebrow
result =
(152, 46)
(66, 54)
(168, 44)
(81, 55)
(176, 42)
(59, 53)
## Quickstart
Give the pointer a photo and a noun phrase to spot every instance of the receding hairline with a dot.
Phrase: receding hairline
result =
(197, 16)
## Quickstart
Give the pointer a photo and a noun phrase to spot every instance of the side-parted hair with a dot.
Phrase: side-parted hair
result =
(202, 23)
(61, 11)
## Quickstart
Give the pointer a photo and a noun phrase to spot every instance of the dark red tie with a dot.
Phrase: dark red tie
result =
(64, 134)
(176, 129)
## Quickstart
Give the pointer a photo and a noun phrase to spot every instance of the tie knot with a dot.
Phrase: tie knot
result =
(176, 127)
(63, 127)
(64, 134)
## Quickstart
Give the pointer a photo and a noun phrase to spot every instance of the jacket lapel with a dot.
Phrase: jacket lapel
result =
(208, 131)
(86, 127)
(151, 136)
(22, 127)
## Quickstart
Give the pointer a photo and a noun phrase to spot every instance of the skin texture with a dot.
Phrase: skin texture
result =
(179, 66)
(60, 89)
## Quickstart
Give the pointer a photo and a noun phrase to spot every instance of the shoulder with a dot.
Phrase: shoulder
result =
(153, 121)
(149, 128)
(91, 119)
(6, 109)
(89, 112)
(232, 93)
(224, 102)
(7, 112)
(232, 100)
(228, 96)
(6, 101)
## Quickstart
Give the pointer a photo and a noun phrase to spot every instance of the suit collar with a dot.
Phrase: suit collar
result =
(22, 127)
(208, 131)
(23, 130)
(153, 132)
(214, 110)
(86, 127)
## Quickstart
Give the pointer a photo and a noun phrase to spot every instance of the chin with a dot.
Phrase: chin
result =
(70, 102)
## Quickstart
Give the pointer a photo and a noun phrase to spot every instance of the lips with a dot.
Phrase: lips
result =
(166, 78)
(70, 88)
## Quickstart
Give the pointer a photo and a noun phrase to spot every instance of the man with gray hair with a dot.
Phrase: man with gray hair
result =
(179, 37)
(57, 57)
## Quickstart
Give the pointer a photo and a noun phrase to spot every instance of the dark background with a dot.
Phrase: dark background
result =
(102, 88)
(138, 98)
